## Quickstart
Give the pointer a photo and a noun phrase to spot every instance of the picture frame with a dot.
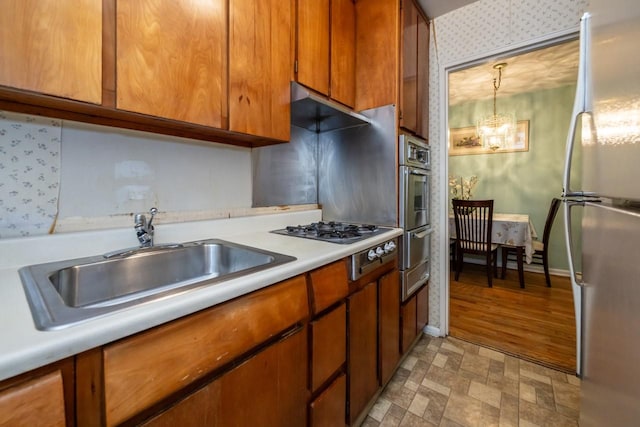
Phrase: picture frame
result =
(465, 141)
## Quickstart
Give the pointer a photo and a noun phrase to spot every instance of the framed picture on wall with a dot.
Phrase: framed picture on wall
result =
(465, 141)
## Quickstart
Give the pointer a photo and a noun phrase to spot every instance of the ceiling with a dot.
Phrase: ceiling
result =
(545, 68)
(434, 8)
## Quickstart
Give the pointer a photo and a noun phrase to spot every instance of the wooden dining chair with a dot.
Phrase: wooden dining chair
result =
(474, 221)
(541, 248)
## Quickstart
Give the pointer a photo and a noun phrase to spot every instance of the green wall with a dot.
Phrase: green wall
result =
(524, 182)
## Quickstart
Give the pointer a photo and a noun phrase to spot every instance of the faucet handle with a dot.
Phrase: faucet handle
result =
(153, 211)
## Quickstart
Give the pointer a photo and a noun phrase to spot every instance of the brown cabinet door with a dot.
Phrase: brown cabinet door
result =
(363, 345)
(313, 44)
(389, 324)
(171, 59)
(328, 409)
(422, 308)
(422, 106)
(259, 67)
(269, 389)
(409, 323)
(409, 80)
(39, 401)
(53, 47)
(343, 51)
(328, 345)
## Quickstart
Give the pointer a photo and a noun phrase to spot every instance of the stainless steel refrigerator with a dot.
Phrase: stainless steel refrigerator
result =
(607, 293)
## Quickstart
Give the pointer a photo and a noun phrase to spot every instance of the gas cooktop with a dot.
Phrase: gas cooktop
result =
(334, 232)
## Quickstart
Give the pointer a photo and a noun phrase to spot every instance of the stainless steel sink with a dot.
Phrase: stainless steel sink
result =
(64, 293)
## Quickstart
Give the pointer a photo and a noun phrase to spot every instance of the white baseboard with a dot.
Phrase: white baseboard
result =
(433, 331)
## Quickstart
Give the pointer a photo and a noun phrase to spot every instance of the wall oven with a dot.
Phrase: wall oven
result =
(415, 181)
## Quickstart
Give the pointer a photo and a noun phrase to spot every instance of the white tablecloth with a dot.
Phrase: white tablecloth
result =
(508, 229)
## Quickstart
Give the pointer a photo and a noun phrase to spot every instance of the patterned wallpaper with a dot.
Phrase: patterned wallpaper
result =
(468, 33)
(29, 174)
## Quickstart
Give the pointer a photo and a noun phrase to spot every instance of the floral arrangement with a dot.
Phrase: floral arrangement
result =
(462, 188)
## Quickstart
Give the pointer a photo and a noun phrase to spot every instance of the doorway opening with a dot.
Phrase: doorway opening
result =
(521, 173)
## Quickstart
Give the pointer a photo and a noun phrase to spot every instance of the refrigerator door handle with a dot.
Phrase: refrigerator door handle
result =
(582, 105)
(568, 204)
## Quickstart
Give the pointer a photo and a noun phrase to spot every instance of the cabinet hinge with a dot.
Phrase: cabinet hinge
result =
(295, 66)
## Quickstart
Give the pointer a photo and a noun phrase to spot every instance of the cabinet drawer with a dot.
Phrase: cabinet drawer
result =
(409, 323)
(328, 345)
(328, 285)
(141, 370)
(39, 401)
(328, 409)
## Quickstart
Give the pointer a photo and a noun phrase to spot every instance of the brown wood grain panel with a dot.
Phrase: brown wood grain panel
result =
(90, 388)
(328, 409)
(197, 409)
(329, 284)
(409, 64)
(422, 308)
(377, 53)
(53, 47)
(328, 345)
(269, 389)
(141, 370)
(313, 44)
(389, 324)
(171, 59)
(409, 323)
(422, 108)
(259, 67)
(109, 53)
(343, 51)
(39, 401)
(363, 346)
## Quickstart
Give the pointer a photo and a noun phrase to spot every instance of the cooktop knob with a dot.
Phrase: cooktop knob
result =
(371, 255)
(379, 251)
(389, 247)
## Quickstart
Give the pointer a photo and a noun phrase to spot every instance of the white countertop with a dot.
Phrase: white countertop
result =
(23, 347)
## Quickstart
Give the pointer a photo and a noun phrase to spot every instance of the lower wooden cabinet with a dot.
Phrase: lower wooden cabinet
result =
(408, 313)
(422, 308)
(328, 346)
(414, 317)
(389, 324)
(269, 389)
(363, 347)
(43, 397)
(329, 408)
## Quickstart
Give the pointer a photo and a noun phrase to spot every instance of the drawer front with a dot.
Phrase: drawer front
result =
(328, 285)
(328, 345)
(141, 370)
(33, 402)
(328, 409)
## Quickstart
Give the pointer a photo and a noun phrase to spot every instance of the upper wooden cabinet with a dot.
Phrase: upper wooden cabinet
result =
(414, 93)
(377, 58)
(171, 59)
(326, 37)
(260, 58)
(52, 47)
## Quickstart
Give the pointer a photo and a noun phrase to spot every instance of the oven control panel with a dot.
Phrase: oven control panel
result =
(414, 152)
(368, 260)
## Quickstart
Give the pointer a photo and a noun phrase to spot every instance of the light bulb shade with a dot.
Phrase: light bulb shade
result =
(497, 131)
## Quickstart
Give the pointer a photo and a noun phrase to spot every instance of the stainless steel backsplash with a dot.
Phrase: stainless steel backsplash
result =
(351, 173)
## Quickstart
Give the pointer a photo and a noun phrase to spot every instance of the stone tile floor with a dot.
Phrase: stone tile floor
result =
(449, 382)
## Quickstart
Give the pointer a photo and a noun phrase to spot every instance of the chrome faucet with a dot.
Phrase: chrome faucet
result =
(144, 230)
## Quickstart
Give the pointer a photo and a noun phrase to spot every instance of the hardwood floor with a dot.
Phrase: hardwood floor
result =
(536, 323)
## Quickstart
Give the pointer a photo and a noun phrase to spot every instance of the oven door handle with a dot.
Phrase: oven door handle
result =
(420, 235)
(420, 172)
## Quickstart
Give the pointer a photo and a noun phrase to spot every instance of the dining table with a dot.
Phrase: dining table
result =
(509, 229)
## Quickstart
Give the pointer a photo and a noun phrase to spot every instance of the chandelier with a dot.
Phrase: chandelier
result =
(499, 130)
